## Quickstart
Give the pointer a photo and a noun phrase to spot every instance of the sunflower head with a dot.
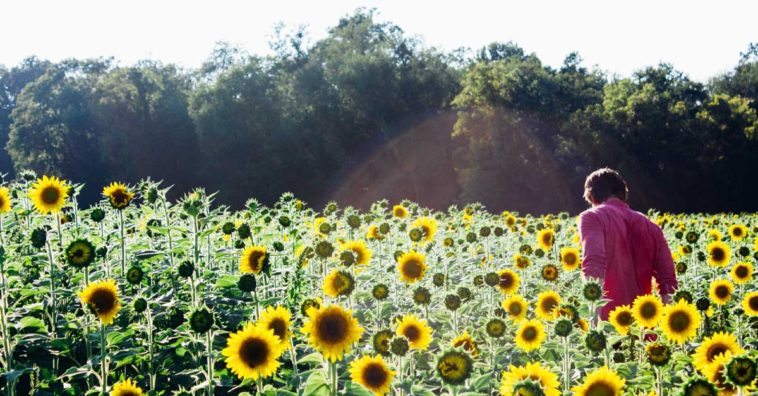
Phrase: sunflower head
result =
(509, 281)
(712, 347)
(737, 232)
(277, 319)
(742, 272)
(102, 298)
(201, 320)
(254, 260)
(658, 353)
(399, 211)
(602, 381)
(530, 335)
(455, 367)
(721, 291)
(411, 266)
(381, 342)
(750, 303)
(647, 311)
(126, 387)
(549, 272)
(372, 373)
(339, 283)
(49, 194)
(253, 352)
(570, 258)
(118, 195)
(531, 379)
(495, 328)
(5, 200)
(699, 387)
(516, 307)
(416, 330)
(741, 371)
(719, 254)
(680, 321)
(332, 331)
(361, 254)
(466, 342)
(622, 318)
(80, 253)
(428, 227)
(547, 304)
(545, 238)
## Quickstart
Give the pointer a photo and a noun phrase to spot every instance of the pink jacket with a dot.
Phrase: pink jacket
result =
(627, 250)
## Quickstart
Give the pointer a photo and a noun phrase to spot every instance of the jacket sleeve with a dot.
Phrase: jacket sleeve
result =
(663, 267)
(593, 245)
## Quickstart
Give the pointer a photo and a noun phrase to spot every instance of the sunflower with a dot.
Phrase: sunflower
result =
(253, 352)
(399, 211)
(741, 371)
(622, 319)
(381, 342)
(549, 272)
(547, 302)
(372, 373)
(721, 291)
(737, 232)
(360, 251)
(750, 303)
(253, 260)
(321, 226)
(521, 262)
(428, 227)
(102, 298)
(699, 387)
(716, 374)
(374, 233)
(339, 283)
(647, 310)
(49, 194)
(466, 342)
(118, 195)
(509, 220)
(714, 235)
(742, 273)
(418, 333)
(570, 258)
(80, 253)
(680, 321)
(542, 376)
(530, 335)
(602, 381)
(126, 388)
(411, 266)
(509, 281)
(332, 331)
(545, 238)
(277, 319)
(5, 200)
(713, 346)
(516, 307)
(455, 367)
(719, 254)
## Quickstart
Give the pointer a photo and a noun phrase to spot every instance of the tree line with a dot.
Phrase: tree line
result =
(369, 112)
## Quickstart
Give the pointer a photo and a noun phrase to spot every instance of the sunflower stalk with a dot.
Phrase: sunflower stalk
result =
(209, 352)
(7, 349)
(123, 241)
(103, 361)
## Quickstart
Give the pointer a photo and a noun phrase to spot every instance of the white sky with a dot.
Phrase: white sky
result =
(701, 38)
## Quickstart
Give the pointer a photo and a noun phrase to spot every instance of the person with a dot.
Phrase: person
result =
(622, 248)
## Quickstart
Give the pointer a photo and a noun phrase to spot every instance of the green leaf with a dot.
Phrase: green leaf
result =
(30, 324)
(316, 385)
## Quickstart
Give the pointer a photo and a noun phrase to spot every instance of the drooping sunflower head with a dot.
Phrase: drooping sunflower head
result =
(80, 253)
(509, 281)
(466, 342)
(416, 330)
(359, 250)
(719, 254)
(721, 291)
(547, 303)
(5, 200)
(750, 303)
(455, 367)
(530, 335)
(411, 266)
(118, 195)
(254, 259)
(602, 381)
(372, 373)
(658, 353)
(738, 232)
(699, 387)
(622, 319)
(339, 283)
(126, 387)
(570, 258)
(680, 321)
(741, 372)
(516, 307)
(277, 319)
(381, 342)
(712, 347)
(545, 238)
(253, 352)
(49, 194)
(428, 227)
(742, 272)
(102, 298)
(647, 310)
(332, 331)
(399, 211)
(546, 380)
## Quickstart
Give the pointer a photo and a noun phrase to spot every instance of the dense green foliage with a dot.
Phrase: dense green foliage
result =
(523, 135)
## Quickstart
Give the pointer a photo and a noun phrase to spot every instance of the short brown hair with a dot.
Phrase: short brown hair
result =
(603, 184)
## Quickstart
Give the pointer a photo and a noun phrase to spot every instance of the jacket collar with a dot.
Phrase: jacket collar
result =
(616, 202)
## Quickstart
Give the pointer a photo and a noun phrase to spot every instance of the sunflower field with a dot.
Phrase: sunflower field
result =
(138, 295)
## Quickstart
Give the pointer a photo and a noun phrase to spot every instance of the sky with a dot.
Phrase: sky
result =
(701, 38)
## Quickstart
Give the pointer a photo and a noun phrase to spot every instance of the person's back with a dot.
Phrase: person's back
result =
(622, 247)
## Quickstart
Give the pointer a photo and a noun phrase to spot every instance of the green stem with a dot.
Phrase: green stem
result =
(123, 241)
(103, 361)
(209, 345)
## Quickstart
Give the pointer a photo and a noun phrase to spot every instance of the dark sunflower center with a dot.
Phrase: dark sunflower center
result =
(50, 195)
(599, 389)
(547, 239)
(529, 334)
(374, 375)
(332, 328)
(737, 232)
(648, 310)
(741, 271)
(718, 254)
(339, 282)
(279, 327)
(127, 393)
(412, 333)
(570, 259)
(412, 269)
(753, 303)
(102, 300)
(722, 291)
(624, 318)
(506, 280)
(514, 309)
(119, 196)
(714, 351)
(549, 304)
(679, 321)
(254, 352)
(255, 260)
